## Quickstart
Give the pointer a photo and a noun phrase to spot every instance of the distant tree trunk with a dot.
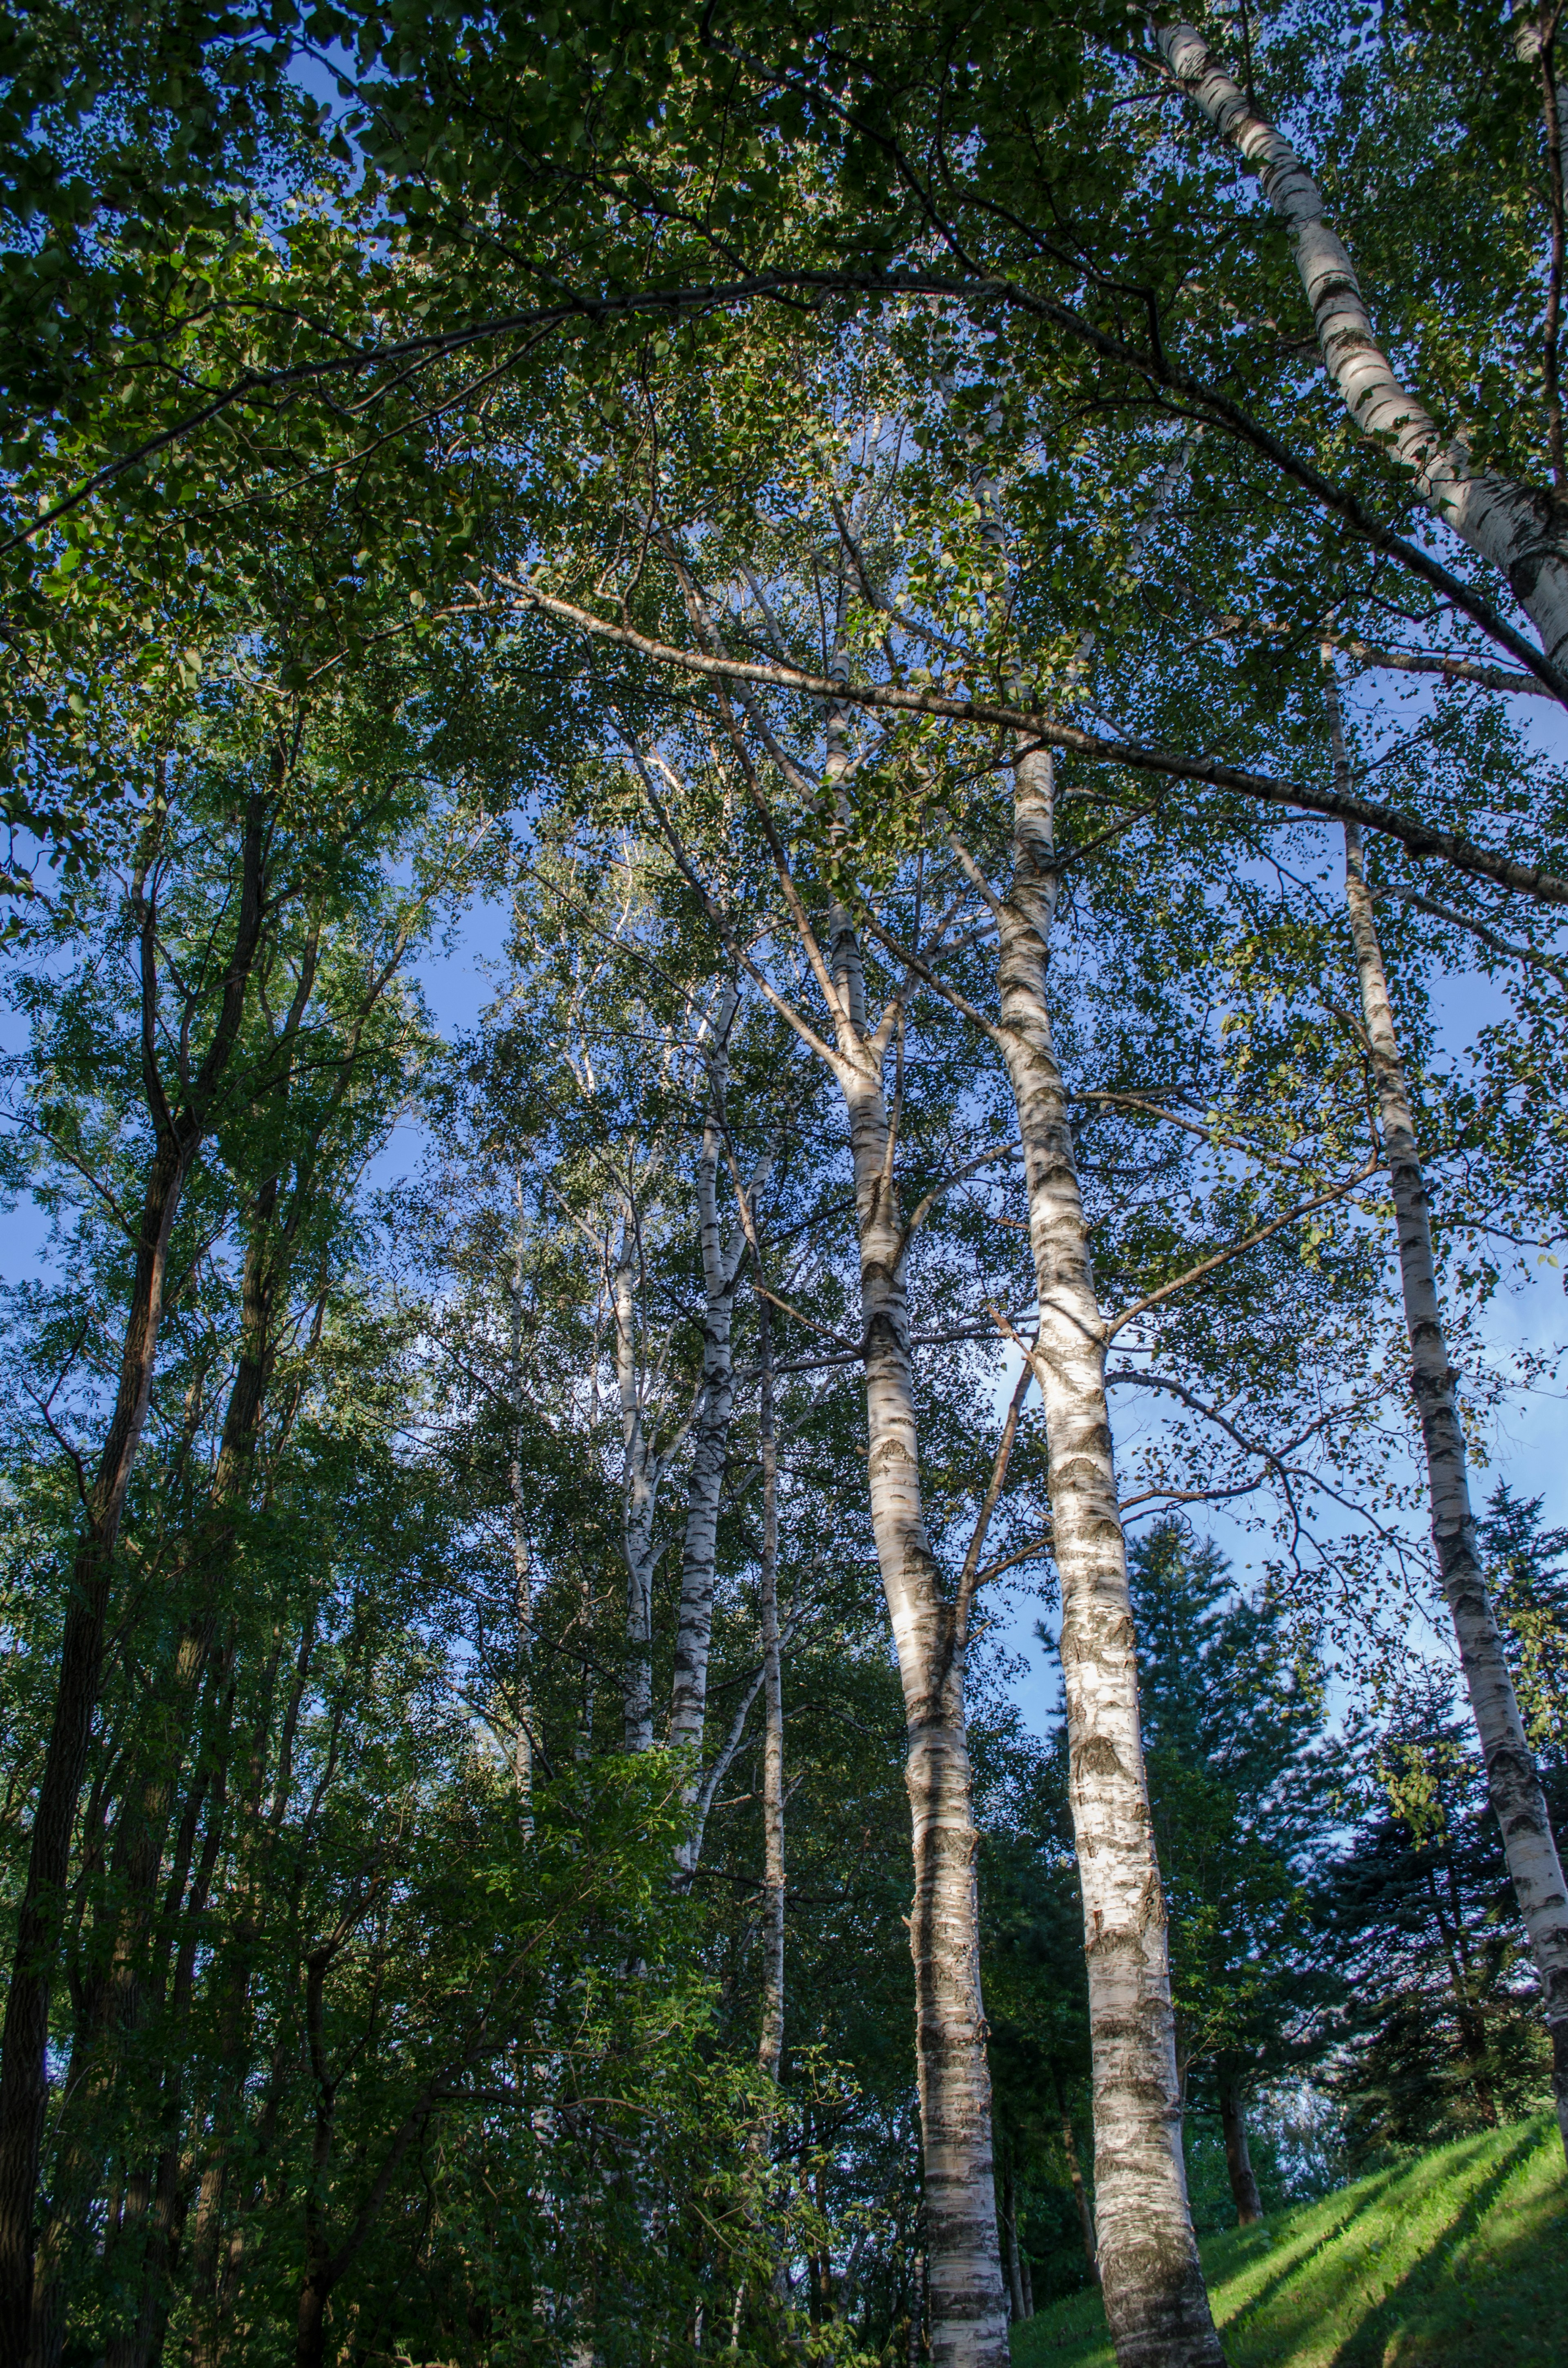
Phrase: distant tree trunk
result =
(1010, 2238)
(521, 1709)
(1156, 2306)
(1519, 528)
(640, 1486)
(1512, 1778)
(770, 2049)
(1075, 2173)
(722, 1264)
(1238, 2156)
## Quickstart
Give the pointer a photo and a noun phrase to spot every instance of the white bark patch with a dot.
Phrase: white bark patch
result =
(1519, 529)
(1157, 2305)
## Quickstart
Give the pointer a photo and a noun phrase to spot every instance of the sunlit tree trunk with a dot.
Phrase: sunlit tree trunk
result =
(1519, 528)
(1513, 1780)
(968, 2307)
(968, 2313)
(1155, 2303)
(1146, 2257)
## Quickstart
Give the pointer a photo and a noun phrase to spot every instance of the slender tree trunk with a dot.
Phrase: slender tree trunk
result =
(1075, 2173)
(1238, 2156)
(1155, 2303)
(1010, 2236)
(1517, 526)
(24, 2087)
(640, 1502)
(522, 1712)
(117, 1998)
(1512, 1778)
(968, 2310)
(720, 1271)
(214, 2275)
(770, 2046)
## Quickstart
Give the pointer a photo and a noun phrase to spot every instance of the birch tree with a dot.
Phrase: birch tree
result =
(1513, 1780)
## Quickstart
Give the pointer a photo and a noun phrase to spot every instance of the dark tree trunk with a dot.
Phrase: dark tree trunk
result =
(1238, 2158)
(1080, 2192)
(178, 1131)
(1010, 2239)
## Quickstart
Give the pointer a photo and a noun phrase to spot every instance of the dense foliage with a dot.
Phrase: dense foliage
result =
(826, 566)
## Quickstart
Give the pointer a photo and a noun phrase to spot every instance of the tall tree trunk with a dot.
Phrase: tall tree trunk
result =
(1513, 1780)
(968, 2313)
(720, 1271)
(178, 1131)
(770, 2046)
(256, 1825)
(522, 1712)
(138, 2343)
(968, 2310)
(1155, 2303)
(1518, 527)
(640, 1492)
(1238, 2154)
(117, 1998)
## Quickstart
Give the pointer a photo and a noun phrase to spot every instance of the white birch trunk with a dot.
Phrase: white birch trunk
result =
(968, 2310)
(770, 2044)
(640, 1503)
(1518, 527)
(1157, 2305)
(521, 1719)
(1512, 1779)
(968, 2307)
(694, 1628)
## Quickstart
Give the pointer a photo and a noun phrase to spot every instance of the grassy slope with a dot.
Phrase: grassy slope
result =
(1458, 2259)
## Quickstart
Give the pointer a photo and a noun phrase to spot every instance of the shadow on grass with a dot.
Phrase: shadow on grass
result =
(1344, 2308)
(1456, 2260)
(1501, 2307)
(1289, 2256)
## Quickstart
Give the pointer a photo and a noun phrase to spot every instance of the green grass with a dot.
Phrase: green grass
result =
(1456, 2260)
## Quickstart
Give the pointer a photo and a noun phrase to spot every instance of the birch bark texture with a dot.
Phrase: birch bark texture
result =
(770, 2043)
(521, 1711)
(722, 1264)
(1518, 527)
(642, 1472)
(1512, 1780)
(967, 2307)
(1157, 2305)
(1146, 2257)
